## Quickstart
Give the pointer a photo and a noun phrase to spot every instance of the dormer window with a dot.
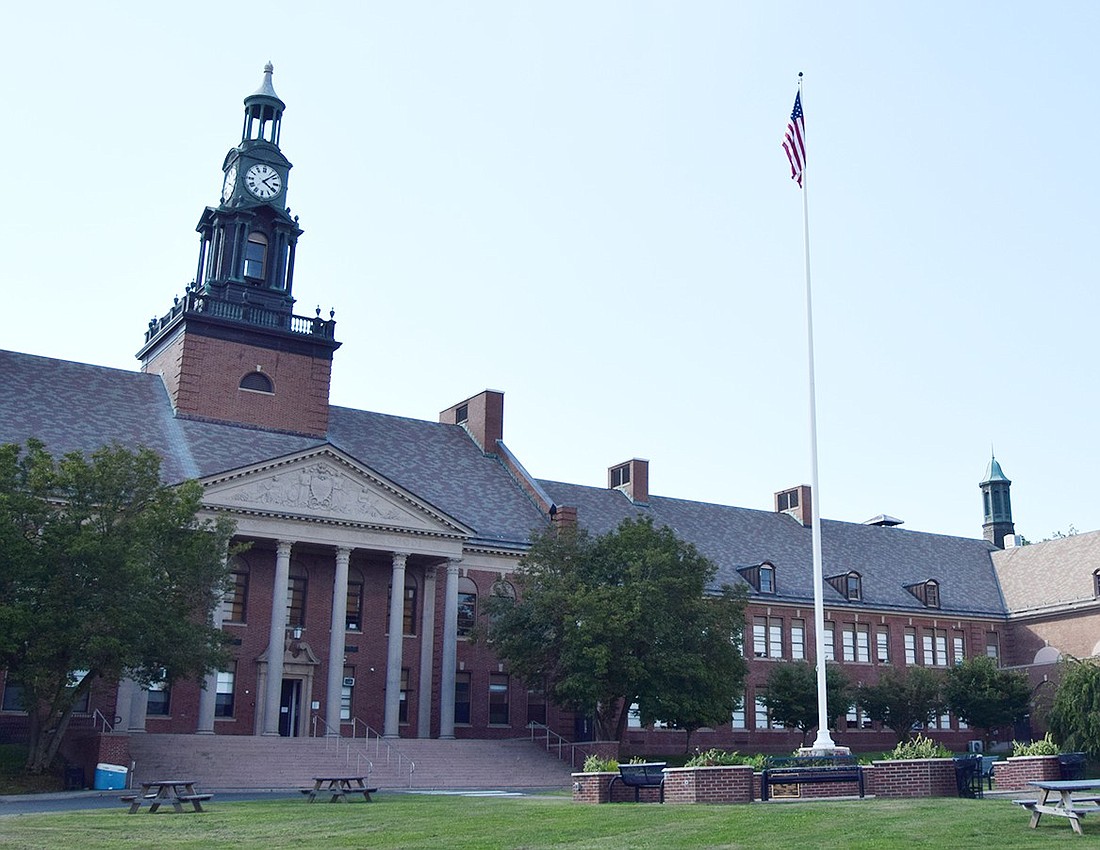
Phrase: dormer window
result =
(255, 255)
(849, 585)
(620, 475)
(462, 414)
(257, 382)
(787, 500)
(1096, 583)
(760, 576)
(927, 592)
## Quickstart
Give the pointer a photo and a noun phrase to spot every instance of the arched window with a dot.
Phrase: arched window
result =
(354, 615)
(257, 382)
(854, 586)
(236, 595)
(467, 606)
(296, 598)
(255, 255)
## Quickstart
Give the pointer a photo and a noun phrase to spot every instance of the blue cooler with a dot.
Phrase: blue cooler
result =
(110, 777)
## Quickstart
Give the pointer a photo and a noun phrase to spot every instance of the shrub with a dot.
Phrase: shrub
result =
(918, 748)
(595, 764)
(714, 757)
(1045, 746)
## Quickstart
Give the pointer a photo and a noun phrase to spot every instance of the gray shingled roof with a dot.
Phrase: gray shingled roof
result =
(1051, 574)
(78, 407)
(888, 559)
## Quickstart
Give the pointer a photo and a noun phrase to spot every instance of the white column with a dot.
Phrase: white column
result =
(427, 651)
(450, 652)
(276, 640)
(123, 701)
(390, 722)
(208, 696)
(337, 627)
(139, 702)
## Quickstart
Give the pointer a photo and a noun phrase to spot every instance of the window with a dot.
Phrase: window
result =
(857, 718)
(255, 253)
(462, 413)
(934, 643)
(958, 648)
(854, 586)
(158, 703)
(236, 596)
(767, 578)
(403, 704)
(634, 717)
(767, 637)
(296, 598)
(928, 592)
(911, 647)
(762, 718)
(462, 697)
(346, 691)
(620, 475)
(760, 576)
(738, 718)
(882, 645)
(503, 594)
(536, 705)
(992, 646)
(80, 704)
(786, 501)
(1096, 583)
(798, 640)
(223, 693)
(830, 642)
(467, 606)
(856, 642)
(257, 382)
(498, 698)
(13, 697)
(408, 615)
(353, 612)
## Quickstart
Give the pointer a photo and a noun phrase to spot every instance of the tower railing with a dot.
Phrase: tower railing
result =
(199, 302)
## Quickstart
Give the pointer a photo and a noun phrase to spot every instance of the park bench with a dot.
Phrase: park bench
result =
(968, 775)
(802, 770)
(641, 775)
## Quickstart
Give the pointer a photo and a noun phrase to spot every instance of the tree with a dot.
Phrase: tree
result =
(791, 695)
(984, 696)
(106, 570)
(1075, 713)
(903, 699)
(623, 619)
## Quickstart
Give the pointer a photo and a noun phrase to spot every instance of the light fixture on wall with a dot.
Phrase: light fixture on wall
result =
(295, 643)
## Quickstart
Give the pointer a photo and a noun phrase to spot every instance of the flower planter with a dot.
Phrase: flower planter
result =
(727, 783)
(1014, 773)
(913, 778)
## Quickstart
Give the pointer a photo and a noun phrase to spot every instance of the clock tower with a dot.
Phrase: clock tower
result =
(231, 350)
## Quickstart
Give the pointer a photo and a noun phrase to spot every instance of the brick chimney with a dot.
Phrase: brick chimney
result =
(482, 416)
(632, 478)
(796, 501)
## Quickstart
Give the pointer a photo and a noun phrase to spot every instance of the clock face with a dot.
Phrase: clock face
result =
(230, 183)
(263, 181)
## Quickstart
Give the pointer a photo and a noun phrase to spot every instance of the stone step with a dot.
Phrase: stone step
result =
(226, 761)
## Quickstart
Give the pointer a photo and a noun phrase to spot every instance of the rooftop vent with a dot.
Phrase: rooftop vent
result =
(884, 520)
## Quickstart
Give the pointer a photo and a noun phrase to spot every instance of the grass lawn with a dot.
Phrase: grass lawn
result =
(409, 821)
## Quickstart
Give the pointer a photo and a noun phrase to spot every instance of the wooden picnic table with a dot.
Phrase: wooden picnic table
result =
(174, 791)
(1066, 806)
(339, 787)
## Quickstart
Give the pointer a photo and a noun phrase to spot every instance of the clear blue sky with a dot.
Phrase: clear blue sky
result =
(585, 205)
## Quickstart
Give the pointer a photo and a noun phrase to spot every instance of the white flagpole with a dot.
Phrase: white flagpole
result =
(824, 741)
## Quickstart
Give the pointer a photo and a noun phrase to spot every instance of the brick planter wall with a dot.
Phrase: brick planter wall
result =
(720, 784)
(1014, 773)
(592, 787)
(912, 778)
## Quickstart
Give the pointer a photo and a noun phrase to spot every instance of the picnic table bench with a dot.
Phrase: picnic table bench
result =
(173, 791)
(801, 770)
(339, 787)
(641, 775)
(1066, 806)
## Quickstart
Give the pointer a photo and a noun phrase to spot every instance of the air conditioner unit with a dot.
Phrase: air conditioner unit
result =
(349, 681)
(973, 746)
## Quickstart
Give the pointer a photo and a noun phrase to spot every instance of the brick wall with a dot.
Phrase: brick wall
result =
(592, 787)
(720, 784)
(1015, 773)
(912, 778)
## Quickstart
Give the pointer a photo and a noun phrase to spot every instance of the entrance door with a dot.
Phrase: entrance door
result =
(290, 708)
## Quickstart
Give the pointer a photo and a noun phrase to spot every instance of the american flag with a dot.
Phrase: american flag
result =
(794, 141)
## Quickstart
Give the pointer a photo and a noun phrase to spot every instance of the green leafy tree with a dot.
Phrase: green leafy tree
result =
(902, 699)
(984, 696)
(105, 569)
(624, 619)
(1075, 712)
(791, 695)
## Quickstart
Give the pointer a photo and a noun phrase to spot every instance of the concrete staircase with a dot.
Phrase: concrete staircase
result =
(238, 761)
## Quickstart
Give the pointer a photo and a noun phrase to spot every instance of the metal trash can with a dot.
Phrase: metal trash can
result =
(110, 777)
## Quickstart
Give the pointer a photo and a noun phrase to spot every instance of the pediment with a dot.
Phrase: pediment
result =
(326, 485)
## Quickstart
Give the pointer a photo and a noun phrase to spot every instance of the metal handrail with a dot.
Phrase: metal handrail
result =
(404, 764)
(552, 740)
(105, 725)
